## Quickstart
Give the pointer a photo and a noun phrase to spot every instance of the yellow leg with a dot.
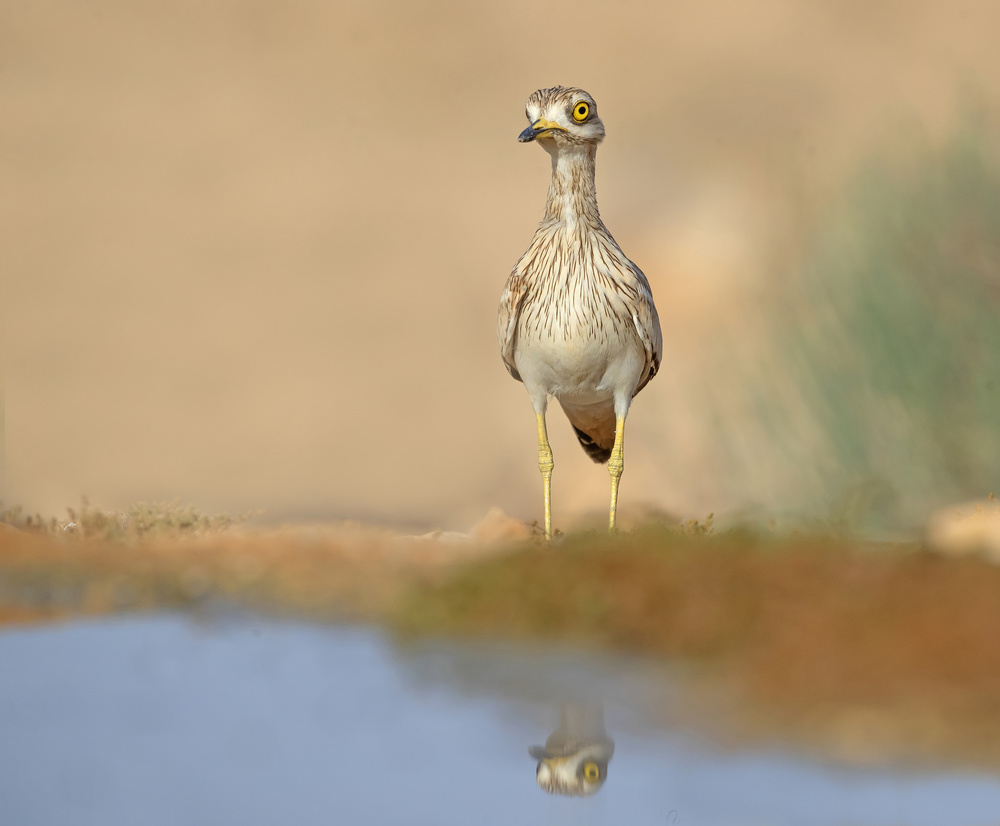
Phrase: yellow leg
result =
(616, 464)
(545, 465)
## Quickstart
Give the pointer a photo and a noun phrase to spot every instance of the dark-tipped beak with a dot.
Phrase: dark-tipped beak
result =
(529, 134)
(539, 127)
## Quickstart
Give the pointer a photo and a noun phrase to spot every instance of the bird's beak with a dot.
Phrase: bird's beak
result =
(539, 127)
(554, 762)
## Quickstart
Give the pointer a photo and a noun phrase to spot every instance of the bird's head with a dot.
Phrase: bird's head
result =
(577, 772)
(562, 116)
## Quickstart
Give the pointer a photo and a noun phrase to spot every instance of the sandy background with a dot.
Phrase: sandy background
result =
(252, 251)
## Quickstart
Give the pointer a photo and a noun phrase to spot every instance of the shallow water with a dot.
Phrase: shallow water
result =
(168, 720)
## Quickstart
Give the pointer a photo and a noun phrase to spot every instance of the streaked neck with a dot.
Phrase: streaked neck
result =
(572, 195)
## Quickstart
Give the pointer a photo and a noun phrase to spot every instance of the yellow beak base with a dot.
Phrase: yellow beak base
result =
(538, 128)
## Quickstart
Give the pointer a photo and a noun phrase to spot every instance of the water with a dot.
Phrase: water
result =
(166, 720)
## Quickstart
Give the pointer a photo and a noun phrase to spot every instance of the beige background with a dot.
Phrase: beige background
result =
(252, 251)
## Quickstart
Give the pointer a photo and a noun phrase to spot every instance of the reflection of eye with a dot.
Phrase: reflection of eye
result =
(580, 111)
(591, 772)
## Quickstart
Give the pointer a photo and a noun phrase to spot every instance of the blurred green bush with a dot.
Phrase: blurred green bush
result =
(894, 338)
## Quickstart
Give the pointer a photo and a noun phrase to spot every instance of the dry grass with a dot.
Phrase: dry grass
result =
(172, 556)
(143, 520)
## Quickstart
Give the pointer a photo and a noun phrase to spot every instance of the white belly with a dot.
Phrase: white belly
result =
(580, 369)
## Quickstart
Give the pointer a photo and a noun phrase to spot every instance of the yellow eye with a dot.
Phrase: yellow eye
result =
(590, 770)
(580, 111)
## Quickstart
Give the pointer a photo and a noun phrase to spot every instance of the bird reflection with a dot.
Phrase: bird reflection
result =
(574, 760)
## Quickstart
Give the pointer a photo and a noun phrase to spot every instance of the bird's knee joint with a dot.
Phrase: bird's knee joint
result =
(616, 466)
(545, 463)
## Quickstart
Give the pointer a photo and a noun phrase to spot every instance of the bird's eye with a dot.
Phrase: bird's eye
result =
(580, 111)
(590, 770)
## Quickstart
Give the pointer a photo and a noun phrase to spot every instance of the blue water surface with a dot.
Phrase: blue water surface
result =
(169, 720)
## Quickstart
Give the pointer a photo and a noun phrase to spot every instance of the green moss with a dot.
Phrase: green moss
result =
(632, 591)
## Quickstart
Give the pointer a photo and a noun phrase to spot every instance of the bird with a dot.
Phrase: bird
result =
(577, 320)
(574, 760)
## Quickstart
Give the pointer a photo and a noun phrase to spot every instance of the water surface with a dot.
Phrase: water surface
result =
(169, 720)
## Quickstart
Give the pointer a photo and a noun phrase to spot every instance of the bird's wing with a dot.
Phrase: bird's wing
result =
(510, 309)
(647, 325)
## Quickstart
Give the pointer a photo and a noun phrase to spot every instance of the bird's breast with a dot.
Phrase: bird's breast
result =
(575, 333)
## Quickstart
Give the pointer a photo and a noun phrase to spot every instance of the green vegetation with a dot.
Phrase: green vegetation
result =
(803, 621)
(895, 344)
(659, 590)
(844, 643)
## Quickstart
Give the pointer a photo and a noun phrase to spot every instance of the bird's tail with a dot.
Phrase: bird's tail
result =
(593, 450)
(594, 425)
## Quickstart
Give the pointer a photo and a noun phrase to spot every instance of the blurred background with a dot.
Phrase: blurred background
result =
(252, 253)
